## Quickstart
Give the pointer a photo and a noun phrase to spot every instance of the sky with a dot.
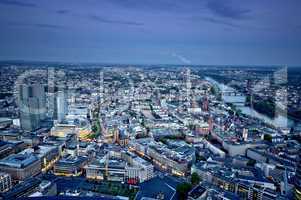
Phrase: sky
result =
(188, 32)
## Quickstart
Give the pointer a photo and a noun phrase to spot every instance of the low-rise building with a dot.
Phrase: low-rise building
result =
(21, 166)
(62, 130)
(70, 166)
(5, 182)
(23, 189)
(120, 166)
(48, 155)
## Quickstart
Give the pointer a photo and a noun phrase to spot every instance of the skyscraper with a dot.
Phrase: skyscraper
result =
(32, 105)
(57, 104)
(62, 106)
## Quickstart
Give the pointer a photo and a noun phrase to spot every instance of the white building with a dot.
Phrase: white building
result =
(62, 106)
(5, 182)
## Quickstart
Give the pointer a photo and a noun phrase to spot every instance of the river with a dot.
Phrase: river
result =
(239, 101)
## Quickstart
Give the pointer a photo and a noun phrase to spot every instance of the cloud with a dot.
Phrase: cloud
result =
(147, 5)
(17, 3)
(240, 26)
(219, 22)
(62, 12)
(225, 9)
(110, 21)
(50, 26)
(181, 58)
(100, 19)
(37, 25)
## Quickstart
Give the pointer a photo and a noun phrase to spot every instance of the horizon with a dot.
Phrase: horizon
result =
(148, 64)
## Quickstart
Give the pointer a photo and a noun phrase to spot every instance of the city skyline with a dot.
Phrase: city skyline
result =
(146, 32)
(150, 99)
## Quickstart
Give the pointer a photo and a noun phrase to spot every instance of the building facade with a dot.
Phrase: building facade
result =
(5, 182)
(21, 166)
(32, 104)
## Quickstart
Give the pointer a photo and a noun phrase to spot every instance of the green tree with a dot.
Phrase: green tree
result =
(200, 158)
(213, 91)
(267, 137)
(251, 162)
(195, 178)
(183, 190)
(94, 128)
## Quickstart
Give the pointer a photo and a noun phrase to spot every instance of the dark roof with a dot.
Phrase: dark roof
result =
(197, 191)
(21, 188)
(3, 143)
(66, 198)
(151, 188)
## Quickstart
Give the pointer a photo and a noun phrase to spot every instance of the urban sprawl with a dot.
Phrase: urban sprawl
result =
(149, 132)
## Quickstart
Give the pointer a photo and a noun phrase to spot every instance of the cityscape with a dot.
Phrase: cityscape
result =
(124, 125)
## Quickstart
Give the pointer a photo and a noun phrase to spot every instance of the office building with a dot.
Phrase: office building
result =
(32, 105)
(58, 105)
(63, 130)
(5, 182)
(5, 149)
(48, 155)
(21, 166)
(5, 122)
(70, 166)
(120, 166)
(62, 106)
(23, 189)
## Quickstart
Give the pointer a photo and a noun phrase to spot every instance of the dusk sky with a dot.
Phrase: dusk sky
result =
(256, 32)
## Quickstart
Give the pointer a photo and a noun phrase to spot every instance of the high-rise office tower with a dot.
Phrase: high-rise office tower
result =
(62, 106)
(58, 105)
(32, 105)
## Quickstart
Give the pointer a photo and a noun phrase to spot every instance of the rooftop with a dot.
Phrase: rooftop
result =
(151, 188)
(70, 160)
(197, 191)
(19, 160)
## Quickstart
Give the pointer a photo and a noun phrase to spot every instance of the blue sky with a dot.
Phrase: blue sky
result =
(234, 32)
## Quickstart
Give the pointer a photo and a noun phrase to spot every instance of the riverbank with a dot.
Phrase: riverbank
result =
(278, 121)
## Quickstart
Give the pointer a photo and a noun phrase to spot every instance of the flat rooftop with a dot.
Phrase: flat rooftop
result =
(71, 160)
(19, 160)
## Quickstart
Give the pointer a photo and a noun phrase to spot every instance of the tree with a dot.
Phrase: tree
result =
(195, 178)
(200, 158)
(213, 91)
(183, 189)
(163, 140)
(94, 128)
(191, 126)
(267, 137)
(251, 162)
